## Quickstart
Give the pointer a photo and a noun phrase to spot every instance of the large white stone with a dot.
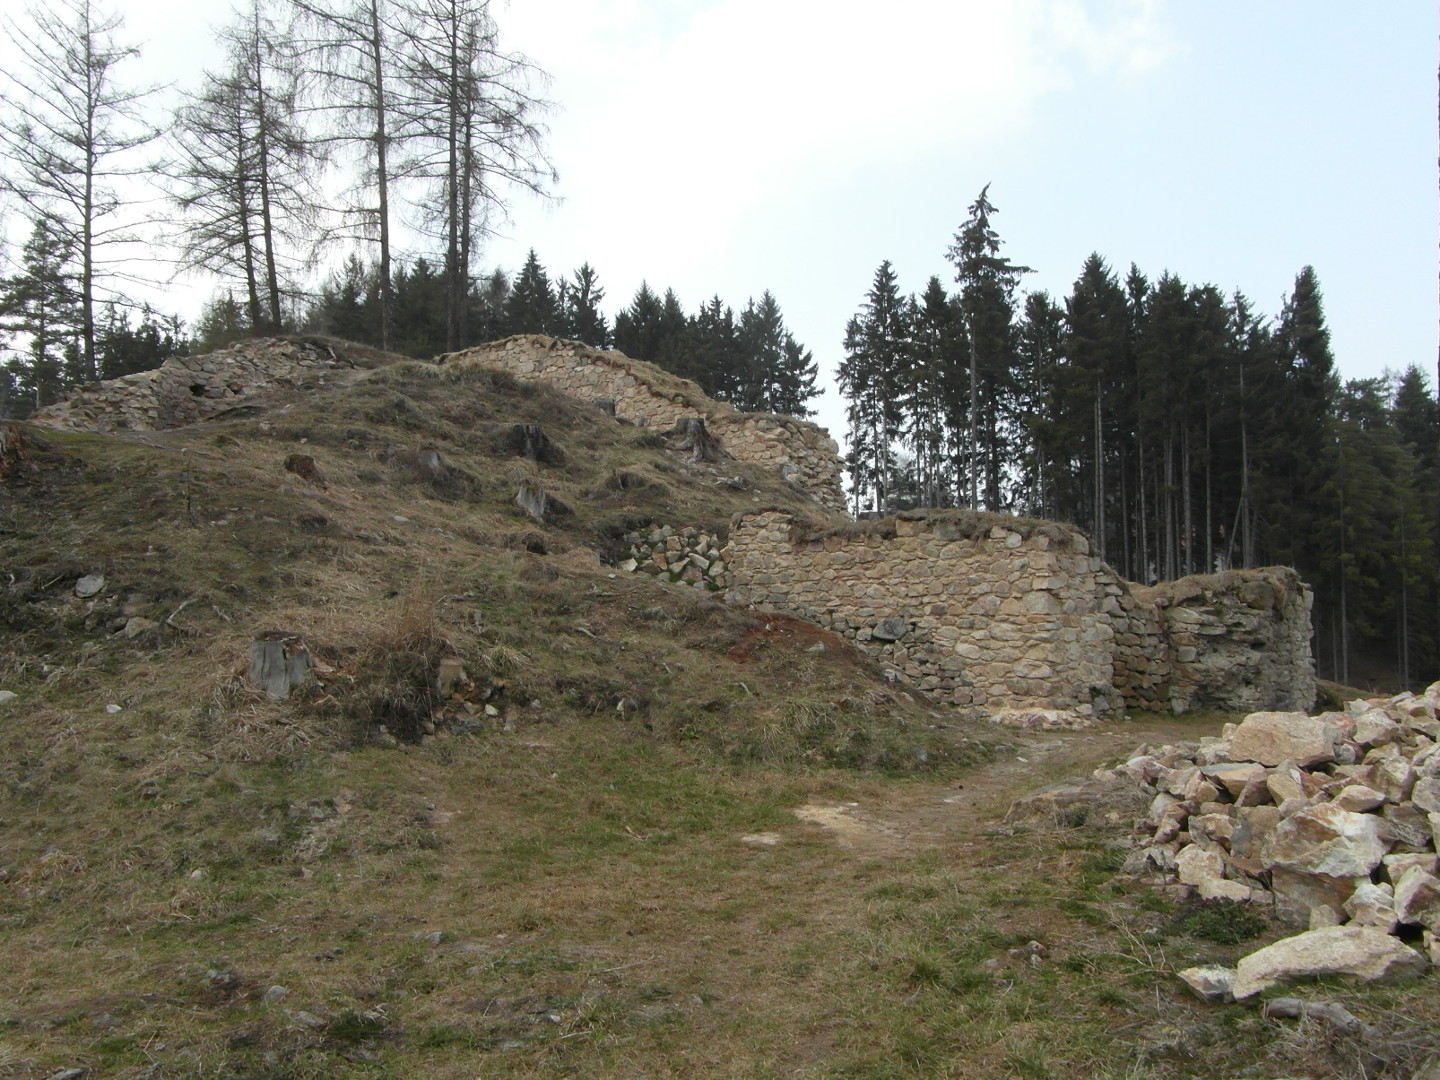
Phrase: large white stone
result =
(1417, 898)
(1363, 952)
(1272, 737)
(1233, 776)
(1426, 794)
(1358, 798)
(1372, 905)
(1326, 840)
(1196, 864)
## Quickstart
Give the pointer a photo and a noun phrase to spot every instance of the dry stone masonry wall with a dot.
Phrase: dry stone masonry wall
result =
(1018, 618)
(1021, 619)
(190, 389)
(1237, 641)
(644, 394)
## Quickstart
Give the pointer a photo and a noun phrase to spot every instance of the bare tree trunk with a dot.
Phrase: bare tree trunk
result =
(1187, 519)
(974, 427)
(382, 173)
(1404, 609)
(1126, 548)
(262, 132)
(247, 235)
(1099, 474)
(1168, 503)
(1143, 518)
(1209, 518)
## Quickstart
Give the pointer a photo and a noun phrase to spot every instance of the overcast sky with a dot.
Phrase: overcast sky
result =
(730, 146)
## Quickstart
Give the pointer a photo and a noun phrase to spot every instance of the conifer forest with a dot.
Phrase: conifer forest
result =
(342, 172)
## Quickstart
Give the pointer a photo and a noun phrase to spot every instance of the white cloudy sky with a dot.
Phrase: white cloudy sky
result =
(730, 146)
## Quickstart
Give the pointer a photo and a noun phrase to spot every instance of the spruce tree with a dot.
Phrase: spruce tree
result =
(581, 315)
(875, 368)
(531, 307)
(987, 282)
(638, 327)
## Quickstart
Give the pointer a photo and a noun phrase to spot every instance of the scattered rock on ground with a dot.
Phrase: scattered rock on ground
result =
(1364, 952)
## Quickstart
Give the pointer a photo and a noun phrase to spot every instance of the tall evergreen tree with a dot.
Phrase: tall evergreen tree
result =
(581, 316)
(532, 307)
(988, 282)
(638, 327)
(43, 302)
(875, 367)
(935, 394)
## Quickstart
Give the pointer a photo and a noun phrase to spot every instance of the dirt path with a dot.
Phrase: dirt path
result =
(903, 820)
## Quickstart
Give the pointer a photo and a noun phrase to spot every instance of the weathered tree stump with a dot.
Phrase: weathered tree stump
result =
(279, 662)
(605, 405)
(12, 448)
(696, 439)
(530, 441)
(539, 503)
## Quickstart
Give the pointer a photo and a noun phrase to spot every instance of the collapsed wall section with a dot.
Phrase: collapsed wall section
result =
(1001, 614)
(191, 389)
(1020, 619)
(1238, 641)
(646, 395)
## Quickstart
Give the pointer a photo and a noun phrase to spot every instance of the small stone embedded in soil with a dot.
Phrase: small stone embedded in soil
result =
(1211, 983)
(89, 585)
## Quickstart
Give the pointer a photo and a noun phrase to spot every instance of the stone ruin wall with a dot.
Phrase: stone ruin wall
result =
(1022, 620)
(645, 395)
(1238, 641)
(1018, 616)
(191, 389)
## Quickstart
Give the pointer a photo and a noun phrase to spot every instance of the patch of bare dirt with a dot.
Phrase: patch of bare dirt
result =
(905, 819)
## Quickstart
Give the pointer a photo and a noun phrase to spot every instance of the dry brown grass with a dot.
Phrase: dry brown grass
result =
(599, 911)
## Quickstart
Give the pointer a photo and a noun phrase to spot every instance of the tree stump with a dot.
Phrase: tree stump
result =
(696, 439)
(279, 662)
(12, 448)
(530, 441)
(539, 503)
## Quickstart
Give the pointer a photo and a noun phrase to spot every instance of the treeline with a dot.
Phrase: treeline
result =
(750, 360)
(400, 126)
(1184, 431)
(396, 128)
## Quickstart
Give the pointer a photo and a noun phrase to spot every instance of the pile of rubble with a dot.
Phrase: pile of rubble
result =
(690, 556)
(1330, 820)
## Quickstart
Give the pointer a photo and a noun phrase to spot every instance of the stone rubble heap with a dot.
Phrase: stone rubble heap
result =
(190, 389)
(687, 555)
(1331, 820)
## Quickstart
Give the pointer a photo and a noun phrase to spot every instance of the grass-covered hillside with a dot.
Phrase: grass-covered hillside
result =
(533, 816)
